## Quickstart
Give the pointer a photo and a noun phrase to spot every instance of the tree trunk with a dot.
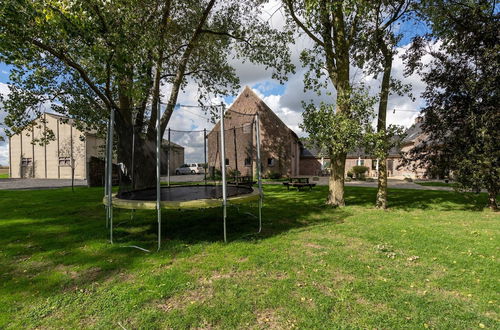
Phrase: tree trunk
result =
(144, 156)
(336, 181)
(492, 200)
(381, 202)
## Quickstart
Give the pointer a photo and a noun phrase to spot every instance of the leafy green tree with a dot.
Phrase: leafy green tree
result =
(375, 50)
(90, 57)
(333, 26)
(462, 116)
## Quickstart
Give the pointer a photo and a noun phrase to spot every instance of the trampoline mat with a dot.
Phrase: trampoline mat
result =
(185, 193)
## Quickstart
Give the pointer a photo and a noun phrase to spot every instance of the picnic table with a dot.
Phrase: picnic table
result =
(242, 180)
(299, 183)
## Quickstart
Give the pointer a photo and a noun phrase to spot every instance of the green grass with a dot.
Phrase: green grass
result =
(435, 184)
(4, 175)
(431, 261)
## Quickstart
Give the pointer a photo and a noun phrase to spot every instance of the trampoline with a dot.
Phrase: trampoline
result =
(184, 197)
(177, 197)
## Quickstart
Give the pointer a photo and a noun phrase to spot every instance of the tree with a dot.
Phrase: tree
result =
(462, 116)
(69, 154)
(375, 50)
(333, 26)
(88, 58)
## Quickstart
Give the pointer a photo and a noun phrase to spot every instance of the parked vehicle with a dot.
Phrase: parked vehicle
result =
(191, 168)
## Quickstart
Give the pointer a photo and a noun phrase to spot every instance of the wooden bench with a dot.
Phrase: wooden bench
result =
(299, 183)
(242, 180)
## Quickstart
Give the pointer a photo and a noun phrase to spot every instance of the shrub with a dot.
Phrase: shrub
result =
(233, 173)
(359, 171)
(350, 174)
(274, 175)
(408, 179)
(215, 175)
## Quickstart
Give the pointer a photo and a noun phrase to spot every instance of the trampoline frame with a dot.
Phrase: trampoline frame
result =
(111, 200)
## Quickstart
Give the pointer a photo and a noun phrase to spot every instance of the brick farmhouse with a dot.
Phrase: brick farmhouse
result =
(282, 151)
(312, 162)
(280, 146)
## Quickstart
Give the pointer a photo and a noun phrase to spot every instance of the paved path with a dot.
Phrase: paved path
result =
(27, 184)
(323, 181)
(391, 183)
(31, 184)
(184, 178)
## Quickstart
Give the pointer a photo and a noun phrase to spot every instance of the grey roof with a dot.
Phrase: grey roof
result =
(173, 145)
(412, 133)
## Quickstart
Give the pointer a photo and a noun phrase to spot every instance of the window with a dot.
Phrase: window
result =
(374, 164)
(247, 128)
(248, 161)
(64, 161)
(227, 161)
(270, 161)
(26, 161)
(360, 162)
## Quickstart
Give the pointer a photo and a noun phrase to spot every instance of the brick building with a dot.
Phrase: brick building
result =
(312, 162)
(280, 146)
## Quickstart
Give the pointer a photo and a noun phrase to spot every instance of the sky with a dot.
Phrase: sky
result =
(284, 100)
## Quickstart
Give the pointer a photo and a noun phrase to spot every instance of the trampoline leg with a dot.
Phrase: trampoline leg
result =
(224, 214)
(111, 225)
(260, 214)
(159, 229)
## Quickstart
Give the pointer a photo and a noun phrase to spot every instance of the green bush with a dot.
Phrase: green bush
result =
(408, 179)
(359, 171)
(215, 175)
(274, 175)
(350, 174)
(233, 173)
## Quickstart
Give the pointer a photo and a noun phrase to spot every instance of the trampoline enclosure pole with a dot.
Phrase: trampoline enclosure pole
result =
(259, 167)
(168, 159)
(158, 190)
(110, 174)
(223, 170)
(105, 176)
(205, 167)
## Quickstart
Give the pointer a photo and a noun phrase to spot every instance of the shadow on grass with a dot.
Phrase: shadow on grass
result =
(57, 240)
(54, 240)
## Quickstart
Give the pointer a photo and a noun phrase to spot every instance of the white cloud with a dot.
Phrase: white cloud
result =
(4, 145)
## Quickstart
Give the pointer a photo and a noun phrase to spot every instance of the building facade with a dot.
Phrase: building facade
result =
(312, 162)
(53, 160)
(280, 146)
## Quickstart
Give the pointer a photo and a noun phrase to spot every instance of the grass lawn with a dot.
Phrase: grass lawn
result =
(431, 261)
(4, 175)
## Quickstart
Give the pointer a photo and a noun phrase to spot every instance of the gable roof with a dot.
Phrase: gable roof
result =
(249, 103)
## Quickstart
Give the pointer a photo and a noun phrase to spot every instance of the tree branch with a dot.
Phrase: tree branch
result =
(223, 33)
(301, 24)
(63, 57)
(182, 67)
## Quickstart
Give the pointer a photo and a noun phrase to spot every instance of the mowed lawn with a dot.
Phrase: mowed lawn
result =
(431, 261)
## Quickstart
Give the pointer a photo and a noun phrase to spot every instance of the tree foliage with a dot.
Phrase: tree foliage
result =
(339, 132)
(88, 57)
(462, 116)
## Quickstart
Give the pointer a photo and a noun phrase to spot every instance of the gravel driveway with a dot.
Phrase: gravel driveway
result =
(31, 184)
